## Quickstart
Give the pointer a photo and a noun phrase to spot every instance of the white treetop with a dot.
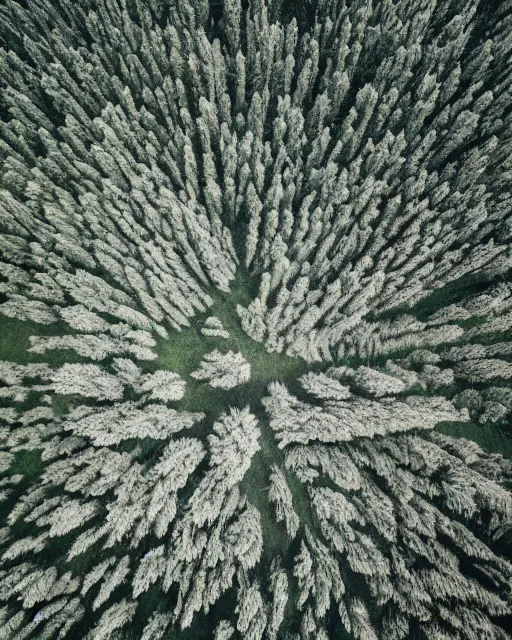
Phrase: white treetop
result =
(213, 328)
(162, 385)
(280, 494)
(294, 421)
(223, 370)
(324, 387)
(88, 380)
(123, 421)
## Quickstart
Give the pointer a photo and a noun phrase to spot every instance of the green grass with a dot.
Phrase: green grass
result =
(489, 437)
(14, 338)
(183, 351)
(29, 464)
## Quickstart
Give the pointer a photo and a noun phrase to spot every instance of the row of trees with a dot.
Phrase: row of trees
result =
(335, 420)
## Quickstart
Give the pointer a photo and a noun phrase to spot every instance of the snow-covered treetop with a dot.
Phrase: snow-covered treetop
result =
(223, 370)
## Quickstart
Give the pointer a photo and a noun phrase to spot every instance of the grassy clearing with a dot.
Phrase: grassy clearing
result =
(184, 350)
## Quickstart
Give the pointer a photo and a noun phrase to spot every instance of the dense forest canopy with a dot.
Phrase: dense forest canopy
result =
(255, 319)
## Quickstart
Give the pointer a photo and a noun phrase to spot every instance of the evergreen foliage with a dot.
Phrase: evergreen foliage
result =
(255, 265)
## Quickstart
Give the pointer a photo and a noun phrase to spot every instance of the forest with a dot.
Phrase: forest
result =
(256, 320)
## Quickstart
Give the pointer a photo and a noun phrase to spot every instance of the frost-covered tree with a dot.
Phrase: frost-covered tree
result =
(223, 370)
(280, 494)
(162, 385)
(87, 380)
(213, 328)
